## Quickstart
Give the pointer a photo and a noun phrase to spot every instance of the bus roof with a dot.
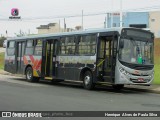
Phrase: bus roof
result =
(87, 31)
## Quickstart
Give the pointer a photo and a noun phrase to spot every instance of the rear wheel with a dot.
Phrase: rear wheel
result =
(29, 75)
(88, 80)
(118, 87)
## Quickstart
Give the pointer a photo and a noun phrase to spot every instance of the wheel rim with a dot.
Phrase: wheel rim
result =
(29, 74)
(87, 80)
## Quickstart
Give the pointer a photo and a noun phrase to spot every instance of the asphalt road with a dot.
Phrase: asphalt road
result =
(17, 94)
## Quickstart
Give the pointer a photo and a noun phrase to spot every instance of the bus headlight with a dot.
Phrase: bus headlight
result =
(123, 71)
(152, 75)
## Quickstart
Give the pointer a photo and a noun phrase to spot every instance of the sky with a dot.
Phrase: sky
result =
(38, 12)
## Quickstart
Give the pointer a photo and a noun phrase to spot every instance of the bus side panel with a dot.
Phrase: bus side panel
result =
(35, 62)
(69, 67)
(9, 61)
(9, 64)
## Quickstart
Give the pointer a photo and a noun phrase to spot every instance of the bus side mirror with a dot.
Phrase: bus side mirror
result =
(121, 43)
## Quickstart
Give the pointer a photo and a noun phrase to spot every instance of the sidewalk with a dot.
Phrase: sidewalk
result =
(5, 73)
(151, 89)
(2, 49)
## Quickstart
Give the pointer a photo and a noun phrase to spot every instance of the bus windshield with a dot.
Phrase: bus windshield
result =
(136, 51)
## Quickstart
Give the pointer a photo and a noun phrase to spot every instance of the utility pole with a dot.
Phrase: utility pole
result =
(121, 13)
(82, 19)
(29, 32)
(64, 25)
(59, 26)
(112, 15)
(105, 22)
(6, 33)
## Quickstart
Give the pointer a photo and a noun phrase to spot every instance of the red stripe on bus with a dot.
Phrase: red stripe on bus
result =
(25, 60)
(31, 58)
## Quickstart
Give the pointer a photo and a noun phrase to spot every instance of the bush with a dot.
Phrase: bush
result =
(1, 41)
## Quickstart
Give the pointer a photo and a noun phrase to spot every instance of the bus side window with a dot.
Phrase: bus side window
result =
(62, 48)
(29, 47)
(70, 45)
(38, 47)
(11, 48)
(87, 45)
(67, 45)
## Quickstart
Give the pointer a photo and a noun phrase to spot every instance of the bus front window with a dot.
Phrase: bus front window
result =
(136, 52)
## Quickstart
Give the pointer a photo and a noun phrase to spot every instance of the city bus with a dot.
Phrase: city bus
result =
(115, 56)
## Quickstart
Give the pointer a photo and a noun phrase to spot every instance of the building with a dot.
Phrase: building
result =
(129, 19)
(150, 20)
(50, 28)
(154, 23)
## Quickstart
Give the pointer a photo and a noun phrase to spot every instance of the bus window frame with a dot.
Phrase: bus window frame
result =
(38, 46)
(77, 44)
(59, 45)
(11, 47)
(29, 47)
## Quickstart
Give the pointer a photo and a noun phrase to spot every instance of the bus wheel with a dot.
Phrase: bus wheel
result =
(88, 80)
(29, 75)
(118, 87)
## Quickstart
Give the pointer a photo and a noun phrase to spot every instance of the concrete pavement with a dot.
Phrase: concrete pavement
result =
(2, 49)
(152, 89)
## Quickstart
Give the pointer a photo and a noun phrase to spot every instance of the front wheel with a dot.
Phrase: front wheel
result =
(29, 75)
(118, 87)
(88, 81)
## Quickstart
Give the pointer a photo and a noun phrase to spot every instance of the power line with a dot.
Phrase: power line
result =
(85, 15)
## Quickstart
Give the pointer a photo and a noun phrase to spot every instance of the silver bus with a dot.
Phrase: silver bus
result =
(117, 56)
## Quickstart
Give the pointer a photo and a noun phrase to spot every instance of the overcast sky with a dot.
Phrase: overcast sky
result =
(47, 9)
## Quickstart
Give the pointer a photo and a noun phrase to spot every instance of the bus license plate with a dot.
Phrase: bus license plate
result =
(140, 79)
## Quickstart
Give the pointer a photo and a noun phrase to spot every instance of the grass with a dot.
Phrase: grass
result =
(157, 62)
(157, 69)
(2, 60)
(157, 74)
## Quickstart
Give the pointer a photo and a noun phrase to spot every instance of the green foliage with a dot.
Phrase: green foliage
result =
(157, 74)
(2, 60)
(157, 62)
(1, 41)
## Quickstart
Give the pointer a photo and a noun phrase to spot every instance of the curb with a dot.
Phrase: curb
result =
(2, 72)
(155, 91)
(149, 90)
(5, 73)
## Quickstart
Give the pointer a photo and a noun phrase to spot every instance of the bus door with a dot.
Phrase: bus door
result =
(106, 56)
(49, 59)
(19, 56)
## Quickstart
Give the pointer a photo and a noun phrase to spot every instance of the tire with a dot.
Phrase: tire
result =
(118, 87)
(29, 75)
(88, 80)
